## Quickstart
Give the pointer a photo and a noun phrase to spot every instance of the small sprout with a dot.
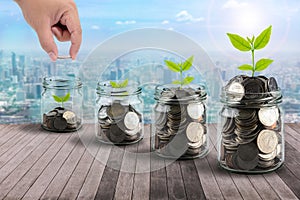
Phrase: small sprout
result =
(179, 68)
(255, 43)
(61, 99)
(119, 85)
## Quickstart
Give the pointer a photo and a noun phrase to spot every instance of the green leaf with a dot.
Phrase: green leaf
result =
(263, 39)
(66, 98)
(172, 66)
(187, 80)
(57, 98)
(124, 83)
(249, 40)
(188, 63)
(245, 67)
(253, 38)
(176, 82)
(113, 84)
(239, 42)
(262, 64)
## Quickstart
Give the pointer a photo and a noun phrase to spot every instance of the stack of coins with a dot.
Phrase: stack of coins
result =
(119, 124)
(61, 120)
(251, 125)
(180, 127)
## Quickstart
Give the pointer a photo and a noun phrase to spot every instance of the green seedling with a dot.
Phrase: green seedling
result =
(255, 43)
(61, 99)
(119, 85)
(180, 68)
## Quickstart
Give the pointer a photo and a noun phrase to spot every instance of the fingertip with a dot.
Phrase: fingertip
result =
(52, 56)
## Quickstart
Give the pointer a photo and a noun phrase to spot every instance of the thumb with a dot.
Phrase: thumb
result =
(46, 40)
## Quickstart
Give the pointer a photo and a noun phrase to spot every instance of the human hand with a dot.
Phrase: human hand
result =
(53, 17)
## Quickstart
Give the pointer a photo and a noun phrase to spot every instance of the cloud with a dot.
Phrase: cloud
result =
(184, 16)
(234, 4)
(95, 27)
(127, 22)
(165, 22)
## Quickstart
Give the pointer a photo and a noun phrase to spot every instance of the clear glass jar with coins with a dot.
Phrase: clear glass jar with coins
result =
(251, 125)
(119, 113)
(61, 104)
(179, 128)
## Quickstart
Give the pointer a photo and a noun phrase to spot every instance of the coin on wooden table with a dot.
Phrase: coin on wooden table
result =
(195, 110)
(60, 123)
(70, 117)
(268, 116)
(131, 120)
(236, 91)
(194, 132)
(267, 141)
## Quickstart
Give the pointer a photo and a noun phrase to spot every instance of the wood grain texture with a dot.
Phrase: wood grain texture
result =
(35, 164)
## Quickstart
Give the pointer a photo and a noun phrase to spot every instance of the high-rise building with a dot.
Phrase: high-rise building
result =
(14, 64)
(22, 64)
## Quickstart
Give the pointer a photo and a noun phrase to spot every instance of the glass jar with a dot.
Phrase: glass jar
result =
(251, 125)
(119, 114)
(61, 104)
(179, 122)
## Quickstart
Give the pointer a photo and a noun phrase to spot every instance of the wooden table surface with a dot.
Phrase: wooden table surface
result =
(35, 164)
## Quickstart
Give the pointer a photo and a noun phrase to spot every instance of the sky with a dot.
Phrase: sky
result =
(205, 21)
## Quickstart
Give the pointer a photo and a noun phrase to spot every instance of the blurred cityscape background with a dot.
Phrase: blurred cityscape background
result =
(23, 63)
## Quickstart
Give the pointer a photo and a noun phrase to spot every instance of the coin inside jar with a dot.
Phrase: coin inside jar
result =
(195, 110)
(267, 141)
(131, 120)
(194, 132)
(268, 116)
(70, 117)
(236, 91)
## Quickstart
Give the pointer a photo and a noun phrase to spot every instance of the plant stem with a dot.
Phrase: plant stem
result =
(181, 82)
(252, 51)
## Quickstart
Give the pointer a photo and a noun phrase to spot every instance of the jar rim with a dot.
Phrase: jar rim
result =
(243, 99)
(62, 82)
(104, 88)
(198, 94)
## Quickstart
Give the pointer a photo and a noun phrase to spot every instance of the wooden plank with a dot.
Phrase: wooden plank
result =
(294, 142)
(158, 179)
(290, 180)
(192, 184)
(77, 178)
(32, 175)
(42, 182)
(26, 164)
(13, 138)
(281, 189)
(110, 176)
(223, 178)
(296, 127)
(92, 181)
(175, 182)
(125, 181)
(141, 186)
(26, 149)
(262, 187)
(6, 129)
(58, 183)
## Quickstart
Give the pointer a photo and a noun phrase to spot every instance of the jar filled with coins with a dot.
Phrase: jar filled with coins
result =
(179, 122)
(61, 104)
(119, 113)
(251, 125)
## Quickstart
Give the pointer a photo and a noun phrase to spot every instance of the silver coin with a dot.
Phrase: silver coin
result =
(267, 141)
(70, 117)
(236, 91)
(131, 120)
(194, 132)
(268, 116)
(60, 123)
(133, 131)
(51, 113)
(195, 110)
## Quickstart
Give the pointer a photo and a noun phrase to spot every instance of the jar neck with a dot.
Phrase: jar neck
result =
(251, 99)
(105, 89)
(61, 83)
(174, 94)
